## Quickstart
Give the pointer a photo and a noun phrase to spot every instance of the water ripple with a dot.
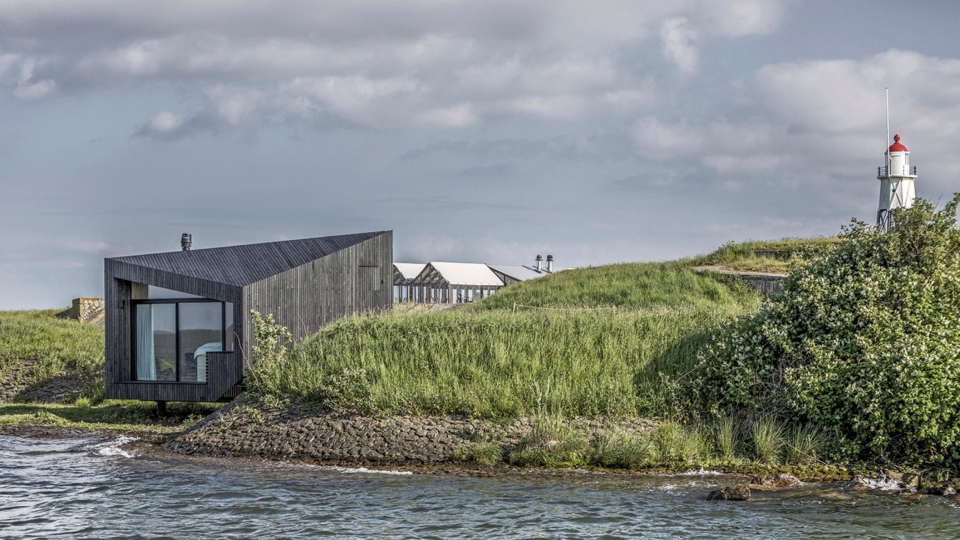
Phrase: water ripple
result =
(96, 489)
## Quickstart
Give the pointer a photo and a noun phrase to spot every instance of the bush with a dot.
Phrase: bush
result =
(865, 340)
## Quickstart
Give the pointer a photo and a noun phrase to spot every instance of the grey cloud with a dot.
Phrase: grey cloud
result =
(497, 171)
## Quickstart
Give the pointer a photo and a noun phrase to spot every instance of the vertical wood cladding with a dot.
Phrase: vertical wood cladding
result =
(342, 276)
(350, 281)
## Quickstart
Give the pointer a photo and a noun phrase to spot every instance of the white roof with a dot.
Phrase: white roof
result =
(466, 273)
(409, 270)
(517, 272)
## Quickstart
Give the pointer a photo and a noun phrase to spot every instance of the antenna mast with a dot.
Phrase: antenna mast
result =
(887, 152)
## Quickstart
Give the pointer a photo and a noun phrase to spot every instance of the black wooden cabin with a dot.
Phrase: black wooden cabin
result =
(170, 317)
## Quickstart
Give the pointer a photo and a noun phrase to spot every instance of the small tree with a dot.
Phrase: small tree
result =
(866, 340)
(272, 344)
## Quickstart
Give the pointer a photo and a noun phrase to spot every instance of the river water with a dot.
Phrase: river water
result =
(91, 488)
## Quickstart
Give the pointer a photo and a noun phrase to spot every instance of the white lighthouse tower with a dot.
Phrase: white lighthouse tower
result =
(896, 183)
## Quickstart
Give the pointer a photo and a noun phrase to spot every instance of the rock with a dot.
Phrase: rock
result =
(910, 480)
(777, 480)
(943, 490)
(739, 492)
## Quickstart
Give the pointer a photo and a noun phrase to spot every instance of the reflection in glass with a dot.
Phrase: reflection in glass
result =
(229, 326)
(156, 342)
(201, 331)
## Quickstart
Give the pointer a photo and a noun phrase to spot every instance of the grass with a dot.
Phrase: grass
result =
(491, 364)
(767, 437)
(56, 345)
(496, 363)
(627, 286)
(770, 256)
(551, 442)
(111, 415)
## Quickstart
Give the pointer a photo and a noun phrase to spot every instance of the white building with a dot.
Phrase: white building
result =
(896, 183)
(459, 283)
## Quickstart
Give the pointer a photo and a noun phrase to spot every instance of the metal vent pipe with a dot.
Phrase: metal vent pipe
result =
(549, 263)
(539, 262)
(186, 240)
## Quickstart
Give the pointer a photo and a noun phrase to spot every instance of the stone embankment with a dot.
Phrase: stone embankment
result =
(14, 385)
(308, 433)
(763, 283)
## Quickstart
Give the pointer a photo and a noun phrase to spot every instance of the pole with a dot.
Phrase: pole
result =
(887, 151)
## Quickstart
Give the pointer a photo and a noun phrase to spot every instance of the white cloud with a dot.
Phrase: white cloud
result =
(679, 44)
(29, 88)
(457, 63)
(836, 107)
(455, 116)
(165, 122)
(657, 140)
(357, 98)
(7, 61)
(234, 104)
(736, 18)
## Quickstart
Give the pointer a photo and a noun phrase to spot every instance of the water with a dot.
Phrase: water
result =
(91, 488)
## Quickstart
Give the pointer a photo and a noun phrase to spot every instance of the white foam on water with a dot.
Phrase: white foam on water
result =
(112, 448)
(364, 470)
(701, 472)
(882, 483)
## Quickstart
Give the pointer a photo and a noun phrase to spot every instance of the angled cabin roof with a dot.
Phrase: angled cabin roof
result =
(517, 272)
(408, 271)
(246, 264)
(460, 274)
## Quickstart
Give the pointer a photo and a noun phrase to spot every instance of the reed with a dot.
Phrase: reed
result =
(726, 437)
(768, 438)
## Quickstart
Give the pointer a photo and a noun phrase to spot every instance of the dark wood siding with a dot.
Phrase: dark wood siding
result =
(341, 282)
(304, 299)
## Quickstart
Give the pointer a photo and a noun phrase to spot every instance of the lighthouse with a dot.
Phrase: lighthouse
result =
(896, 183)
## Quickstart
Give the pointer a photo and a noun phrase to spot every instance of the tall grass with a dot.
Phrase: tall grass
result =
(490, 364)
(55, 344)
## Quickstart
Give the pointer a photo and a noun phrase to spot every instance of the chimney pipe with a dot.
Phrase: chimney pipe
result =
(539, 262)
(186, 240)
(549, 263)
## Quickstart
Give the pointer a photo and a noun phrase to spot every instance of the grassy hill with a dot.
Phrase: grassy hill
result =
(575, 355)
(627, 286)
(773, 256)
(36, 346)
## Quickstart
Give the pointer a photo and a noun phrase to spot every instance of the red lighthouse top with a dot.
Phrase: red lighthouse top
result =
(896, 146)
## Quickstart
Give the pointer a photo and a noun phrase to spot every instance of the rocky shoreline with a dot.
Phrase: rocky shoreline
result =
(247, 430)
(311, 434)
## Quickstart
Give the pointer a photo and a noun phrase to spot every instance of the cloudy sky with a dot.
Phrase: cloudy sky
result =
(488, 131)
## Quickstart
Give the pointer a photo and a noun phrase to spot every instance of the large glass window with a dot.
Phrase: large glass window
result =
(173, 336)
(156, 342)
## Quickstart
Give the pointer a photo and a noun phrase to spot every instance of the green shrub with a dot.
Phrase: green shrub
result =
(551, 443)
(865, 340)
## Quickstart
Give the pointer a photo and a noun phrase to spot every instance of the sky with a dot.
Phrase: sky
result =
(480, 131)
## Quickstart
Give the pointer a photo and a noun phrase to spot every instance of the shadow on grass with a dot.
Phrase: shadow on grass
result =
(656, 382)
(110, 413)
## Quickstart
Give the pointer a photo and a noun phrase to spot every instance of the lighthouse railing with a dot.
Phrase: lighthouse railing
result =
(904, 171)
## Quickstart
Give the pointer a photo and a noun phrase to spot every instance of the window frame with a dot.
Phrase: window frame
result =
(176, 311)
